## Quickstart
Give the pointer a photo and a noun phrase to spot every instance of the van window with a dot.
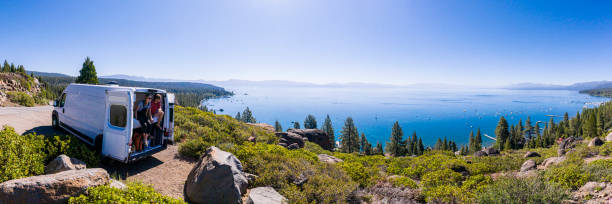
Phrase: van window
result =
(62, 100)
(118, 115)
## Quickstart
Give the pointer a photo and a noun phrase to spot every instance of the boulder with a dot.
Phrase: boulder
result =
(265, 126)
(287, 139)
(252, 139)
(566, 145)
(217, 177)
(491, 151)
(609, 137)
(594, 192)
(596, 142)
(528, 165)
(265, 195)
(293, 146)
(480, 153)
(317, 136)
(531, 154)
(551, 161)
(117, 184)
(328, 159)
(64, 163)
(52, 188)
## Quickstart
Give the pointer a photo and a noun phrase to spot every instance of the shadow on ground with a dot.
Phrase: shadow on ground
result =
(44, 130)
(118, 170)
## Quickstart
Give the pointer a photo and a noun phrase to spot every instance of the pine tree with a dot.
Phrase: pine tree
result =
(396, 142)
(247, 116)
(438, 145)
(364, 143)
(589, 128)
(472, 142)
(6, 67)
(600, 123)
(349, 137)
(537, 129)
(507, 144)
(379, 149)
(238, 117)
(88, 73)
(478, 141)
(445, 144)
(296, 125)
(421, 147)
(414, 143)
(329, 129)
(277, 126)
(310, 122)
(528, 127)
(501, 132)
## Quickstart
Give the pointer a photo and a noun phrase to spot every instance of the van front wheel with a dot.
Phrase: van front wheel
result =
(98, 144)
(54, 122)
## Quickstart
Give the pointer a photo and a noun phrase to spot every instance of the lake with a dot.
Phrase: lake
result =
(432, 113)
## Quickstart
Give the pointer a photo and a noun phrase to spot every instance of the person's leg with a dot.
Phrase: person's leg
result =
(159, 115)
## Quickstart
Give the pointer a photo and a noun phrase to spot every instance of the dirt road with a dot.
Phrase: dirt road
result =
(166, 170)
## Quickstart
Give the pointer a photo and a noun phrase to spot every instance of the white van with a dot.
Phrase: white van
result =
(103, 116)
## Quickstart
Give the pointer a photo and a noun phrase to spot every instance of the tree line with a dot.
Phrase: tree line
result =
(593, 122)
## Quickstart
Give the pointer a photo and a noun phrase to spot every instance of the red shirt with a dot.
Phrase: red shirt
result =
(155, 107)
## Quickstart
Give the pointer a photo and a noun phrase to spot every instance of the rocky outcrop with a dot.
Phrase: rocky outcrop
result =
(531, 154)
(328, 159)
(386, 192)
(52, 188)
(596, 142)
(288, 139)
(264, 126)
(480, 154)
(609, 137)
(491, 151)
(19, 83)
(317, 136)
(265, 195)
(594, 192)
(565, 145)
(528, 165)
(64, 163)
(217, 177)
(551, 161)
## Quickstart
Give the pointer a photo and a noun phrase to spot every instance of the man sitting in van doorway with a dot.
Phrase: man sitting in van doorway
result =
(142, 113)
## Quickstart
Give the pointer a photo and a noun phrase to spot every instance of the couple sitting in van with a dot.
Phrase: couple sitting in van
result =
(149, 114)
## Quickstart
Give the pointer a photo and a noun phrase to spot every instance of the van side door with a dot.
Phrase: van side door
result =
(117, 125)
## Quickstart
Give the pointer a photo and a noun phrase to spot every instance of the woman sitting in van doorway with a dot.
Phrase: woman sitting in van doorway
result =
(142, 113)
(156, 111)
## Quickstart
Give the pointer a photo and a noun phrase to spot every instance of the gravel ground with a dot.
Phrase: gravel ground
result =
(27, 119)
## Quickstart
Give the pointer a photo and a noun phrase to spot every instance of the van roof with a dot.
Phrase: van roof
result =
(114, 86)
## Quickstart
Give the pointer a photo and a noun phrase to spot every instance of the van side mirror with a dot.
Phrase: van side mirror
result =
(55, 102)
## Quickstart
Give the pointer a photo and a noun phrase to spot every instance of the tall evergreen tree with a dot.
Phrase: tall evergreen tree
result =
(378, 150)
(414, 142)
(88, 73)
(6, 67)
(296, 125)
(329, 129)
(438, 145)
(363, 143)
(478, 141)
(501, 132)
(396, 141)
(349, 137)
(472, 142)
(238, 117)
(528, 127)
(445, 144)
(421, 147)
(247, 116)
(277, 126)
(310, 122)
(589, 128)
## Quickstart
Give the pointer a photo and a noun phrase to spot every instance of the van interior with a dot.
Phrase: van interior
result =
(147, 133)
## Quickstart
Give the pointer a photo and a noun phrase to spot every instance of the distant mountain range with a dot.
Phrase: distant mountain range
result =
(575, 87)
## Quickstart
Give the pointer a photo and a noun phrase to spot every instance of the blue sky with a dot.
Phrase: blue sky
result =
(396, 42)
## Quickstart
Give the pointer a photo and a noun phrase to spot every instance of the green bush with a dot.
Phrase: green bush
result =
(418, 166)
(476, 183)
(599, 170)
(21, 98)
(569, 176)
(210, 129)
(446, 194)
(281, 168)
(135, 193)
(522, 191)
(72, 147)
(507, 162)
(606, 149)
(441, 177)
(20, 155)
(315, 148)
(403, 182)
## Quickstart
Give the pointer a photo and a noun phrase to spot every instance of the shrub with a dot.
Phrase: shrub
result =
(569, 176)
(315, 148)
(357, 172)
(476, 183)
(192, 123)
(135, 193)
(441, 177)
(417, 167)
(365, 170)
(403, 182)
(281, 169)
(599, 170)
(72, 147)
(20, 155)
(511, 190)
(507, 162)
(446, 194)
(606, 149)
(21, 98)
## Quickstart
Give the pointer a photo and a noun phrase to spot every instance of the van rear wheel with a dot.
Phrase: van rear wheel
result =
(98, 144)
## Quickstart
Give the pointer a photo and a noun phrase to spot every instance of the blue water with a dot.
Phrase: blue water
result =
(432, 113)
